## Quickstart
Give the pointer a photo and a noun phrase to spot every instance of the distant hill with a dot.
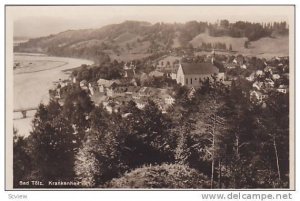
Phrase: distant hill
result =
(134, 39)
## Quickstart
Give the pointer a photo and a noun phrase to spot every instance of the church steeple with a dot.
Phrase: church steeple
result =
(213, 56)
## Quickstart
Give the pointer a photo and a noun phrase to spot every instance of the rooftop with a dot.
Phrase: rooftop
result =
(199, 68)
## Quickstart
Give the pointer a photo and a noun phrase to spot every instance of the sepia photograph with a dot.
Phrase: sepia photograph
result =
(140, 97)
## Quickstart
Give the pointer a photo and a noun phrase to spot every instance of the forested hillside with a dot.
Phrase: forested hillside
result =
(135, 40)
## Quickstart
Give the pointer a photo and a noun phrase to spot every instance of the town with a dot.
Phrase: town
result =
(256, 76)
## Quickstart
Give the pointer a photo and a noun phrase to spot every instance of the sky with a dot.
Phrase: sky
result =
(36, 21)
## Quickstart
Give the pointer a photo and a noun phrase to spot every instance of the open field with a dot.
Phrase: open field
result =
(268, 47)
(31, 88)
(237, 43)
(126, 57)
(264, 47)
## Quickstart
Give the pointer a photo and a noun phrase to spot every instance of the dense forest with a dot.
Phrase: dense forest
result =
(133, 37)
(216, 138)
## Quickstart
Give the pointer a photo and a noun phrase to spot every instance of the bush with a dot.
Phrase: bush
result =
(162, 176)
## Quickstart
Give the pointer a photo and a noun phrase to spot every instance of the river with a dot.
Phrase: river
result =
(32, 80)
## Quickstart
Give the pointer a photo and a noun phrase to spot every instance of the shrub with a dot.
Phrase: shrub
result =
(161, 176)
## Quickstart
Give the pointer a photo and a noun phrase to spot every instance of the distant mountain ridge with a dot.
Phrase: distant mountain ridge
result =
(142, 38)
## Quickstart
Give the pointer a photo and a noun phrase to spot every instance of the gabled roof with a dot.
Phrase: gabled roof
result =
(83, 82)
(199, 68)
(107, 83)
(282, 86)
(156, 73)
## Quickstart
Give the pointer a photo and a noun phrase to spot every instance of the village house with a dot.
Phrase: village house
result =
(259, 73)
(104, 84)
(167, 64)
(119, 91)
(129, 73)
(164, 66)
(258, 85)
(128, 66)
(271, 69)
(132, 91)
(275, 76)
(191, 93)
(156, 73)
(230, 65)
(173, 75)
(141, 103)
(256, 96)
(283, 89)
(239, 59)
(243, 66)
(109, 92)
(92, 86)
(83, 85)
(148, 91)
(169, 100)
(191, 74)
(269, 83)
(73, 79)
(250, 77)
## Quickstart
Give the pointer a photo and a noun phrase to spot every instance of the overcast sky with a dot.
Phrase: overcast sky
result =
(35, 21)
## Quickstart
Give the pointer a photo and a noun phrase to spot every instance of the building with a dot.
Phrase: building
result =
(83, 85)
(129, 73)
(275, 76)
(250, 77)
(91, 87)
(104, 84)
(258, 85)
(156, 73)
(192, 74)
(259, 73)
(256, 96)
(269, 83)
(283, 89)
(169, 100)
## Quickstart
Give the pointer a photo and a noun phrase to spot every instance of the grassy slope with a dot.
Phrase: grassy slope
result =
(237, 43)
(266, 47)
(269, 47)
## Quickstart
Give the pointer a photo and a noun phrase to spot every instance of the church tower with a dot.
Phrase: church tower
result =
(213, 56)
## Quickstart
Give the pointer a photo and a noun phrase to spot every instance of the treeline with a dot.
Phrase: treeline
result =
(217, 45)
(108, 69)
(215, 135)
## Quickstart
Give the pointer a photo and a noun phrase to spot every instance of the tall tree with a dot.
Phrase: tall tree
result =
(53, 144)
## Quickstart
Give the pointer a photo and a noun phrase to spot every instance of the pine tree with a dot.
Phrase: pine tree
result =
(53, 144)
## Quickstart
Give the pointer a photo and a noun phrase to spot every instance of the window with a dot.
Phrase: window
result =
(186, 81)
(191, 80)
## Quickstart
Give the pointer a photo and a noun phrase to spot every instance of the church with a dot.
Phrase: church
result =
(191, 74)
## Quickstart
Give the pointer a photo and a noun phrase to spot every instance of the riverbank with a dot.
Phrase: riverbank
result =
(32, 86)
